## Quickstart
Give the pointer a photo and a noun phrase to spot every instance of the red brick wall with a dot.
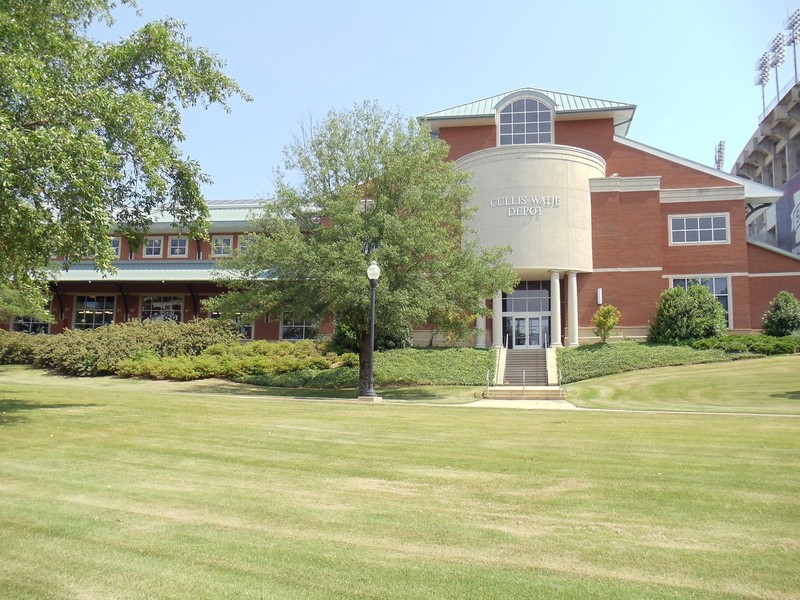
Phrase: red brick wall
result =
(465, 140)
(764, 289)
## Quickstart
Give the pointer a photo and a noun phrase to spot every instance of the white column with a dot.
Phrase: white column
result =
(480, 332)
(497, 320)
(572, 307)
(555, 309)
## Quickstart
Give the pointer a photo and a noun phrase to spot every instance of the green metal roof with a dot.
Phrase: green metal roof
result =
(564, 104)
(225, 216)
(142, 270)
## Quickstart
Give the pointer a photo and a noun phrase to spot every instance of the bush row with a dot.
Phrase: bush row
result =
(409, 366)
(754, 344)
(597, 360)
(205, 348)
(99, 351)
(600, 359)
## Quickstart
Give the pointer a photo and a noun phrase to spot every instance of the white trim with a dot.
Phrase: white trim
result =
(701, 275)
(160, 238)
(625, 184)
(169, 247)
(628, 269)
(755, 192)
(786, 274)
(710, 194)
(214, 238)
(727, 239)
(523, 95)
(118, 249)
(181, 297)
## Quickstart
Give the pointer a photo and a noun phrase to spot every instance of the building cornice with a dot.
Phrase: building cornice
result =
(625, 184)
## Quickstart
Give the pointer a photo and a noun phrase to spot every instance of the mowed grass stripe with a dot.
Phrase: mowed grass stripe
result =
(136, 494)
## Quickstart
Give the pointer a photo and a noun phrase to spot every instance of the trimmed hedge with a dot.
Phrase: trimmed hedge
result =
(99, 351)
(597, 360)
(755, 344)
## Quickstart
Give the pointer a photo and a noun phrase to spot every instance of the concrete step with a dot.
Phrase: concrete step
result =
(514, 392)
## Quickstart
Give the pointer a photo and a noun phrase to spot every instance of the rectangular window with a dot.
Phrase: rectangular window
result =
(699, 229)
(93, 311)
(178, 247)
(162, 308)
(719, 286)
(297, 329)
(29, 325)
(221, 245)
(115, 246)
(152, 247)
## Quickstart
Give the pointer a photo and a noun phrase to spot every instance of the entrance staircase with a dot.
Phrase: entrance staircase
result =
(525, 367)
(524, 376)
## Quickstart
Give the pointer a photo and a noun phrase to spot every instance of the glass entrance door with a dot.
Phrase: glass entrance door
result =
(527, 332)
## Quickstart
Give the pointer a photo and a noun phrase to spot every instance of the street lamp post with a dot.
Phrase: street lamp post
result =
(373, 273)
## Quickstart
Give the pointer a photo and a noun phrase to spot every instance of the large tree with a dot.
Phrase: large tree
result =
(363, 185)
(90, 132)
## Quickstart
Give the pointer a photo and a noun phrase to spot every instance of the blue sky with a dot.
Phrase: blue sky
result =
(688, 65)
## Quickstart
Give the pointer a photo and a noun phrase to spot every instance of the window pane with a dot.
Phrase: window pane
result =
(692, 236)
(678, 236)
(705, 222)
(705, 235)
(691, 222)
(719, 222)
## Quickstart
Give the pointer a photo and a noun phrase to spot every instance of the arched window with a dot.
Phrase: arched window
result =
(526, 121)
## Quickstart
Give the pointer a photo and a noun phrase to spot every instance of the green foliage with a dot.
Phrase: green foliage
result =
(90, 132)
(596, 360)
(434, 366)
(686, 315)
(752, 344)
(310, 364)
(99, 351)
(604, 320)
(783, 316)
(372, 185)
(344, 340)
(19, 348)
(25, 299)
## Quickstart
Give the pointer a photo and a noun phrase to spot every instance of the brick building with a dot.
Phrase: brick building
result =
(594, 217)
(591, 216)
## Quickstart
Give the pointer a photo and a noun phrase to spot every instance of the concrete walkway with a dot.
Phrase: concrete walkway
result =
(523, 404)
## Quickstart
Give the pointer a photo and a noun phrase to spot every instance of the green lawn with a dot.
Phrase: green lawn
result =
(759, 385)
(135, 489)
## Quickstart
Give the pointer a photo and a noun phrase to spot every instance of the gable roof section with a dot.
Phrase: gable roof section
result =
(754, 193)
(566, 105)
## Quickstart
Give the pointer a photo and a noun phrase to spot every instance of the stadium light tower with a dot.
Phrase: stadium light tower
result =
(778, 55)
(793, 31)
(762, 76)
(719, 156)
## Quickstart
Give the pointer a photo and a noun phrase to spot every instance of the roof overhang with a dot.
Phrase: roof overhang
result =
(754, 193)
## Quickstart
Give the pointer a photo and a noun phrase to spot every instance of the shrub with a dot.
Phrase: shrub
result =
(99, 351)
(686, 315)
(596, 360)
(753, 344)
(19, 348)
(783, 316)
(604, 320)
